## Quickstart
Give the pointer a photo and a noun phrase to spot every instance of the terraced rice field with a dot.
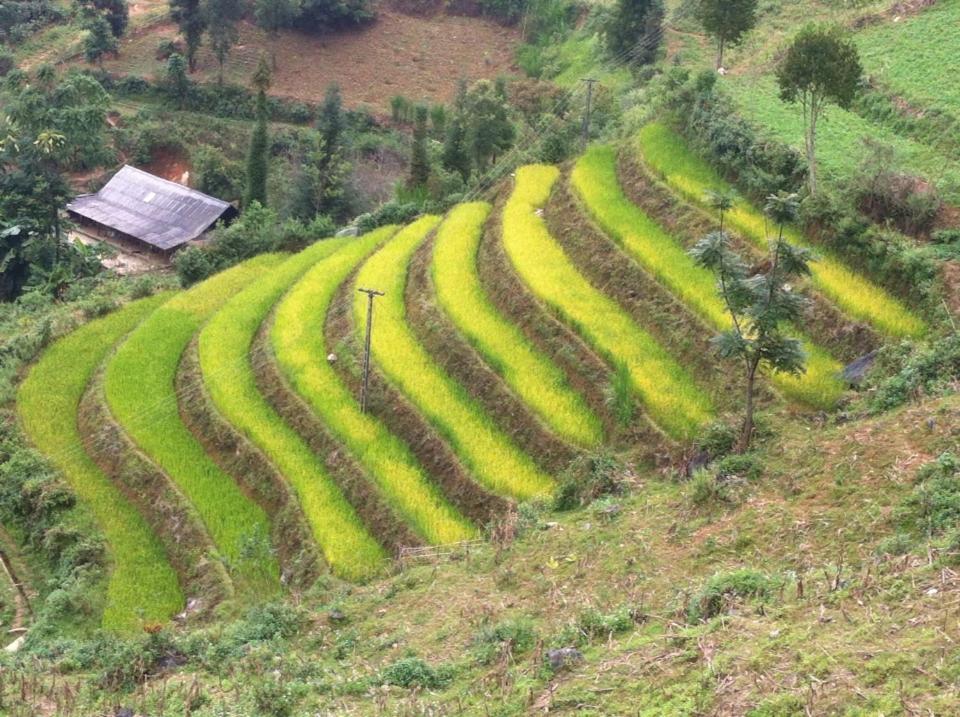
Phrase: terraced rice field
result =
(489, 454)
(142, 586)
(673, 400)
(595, 180)
(259, 335)
(298, 342)
(531, 375)
(666, 153)
(224, 350)
(140, 390)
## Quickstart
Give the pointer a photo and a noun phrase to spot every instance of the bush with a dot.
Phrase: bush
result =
(704, 488)
(928, 370)
(414, 672)
(592, 623)
(587, 478)
(718, 439)
(275, 697)
(746, 465)
(7, 63)
(934, 505)
(490, 641)
(719, 590)
(194, 264)
(216, 175)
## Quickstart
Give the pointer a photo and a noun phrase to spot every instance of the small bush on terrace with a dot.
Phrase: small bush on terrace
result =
(722, 588)
(414, 672)
(515, 634)
(587, 478)
(933, 507)
(912, 373)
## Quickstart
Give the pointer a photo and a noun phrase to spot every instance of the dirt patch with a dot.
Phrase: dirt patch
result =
(166, 510)
(402, 419)
(824, 323)
(399, 54)
(457, 358)
(171, 163)
(253, 472)
(379, 517)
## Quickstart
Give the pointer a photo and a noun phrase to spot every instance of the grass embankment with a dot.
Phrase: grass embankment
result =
(298, 343)
(595, 179)
(142, 586)
(531, 374)
(489, 454)
(224, 348)
(673, 400)
(668, 155)
(139, 384)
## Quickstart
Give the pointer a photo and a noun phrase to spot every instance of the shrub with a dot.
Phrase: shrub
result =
(414, 672)
(718, 439)
(713, 598)
(592, 623)
(7, 63)
(275, 697)
(587, 478)
(517, 634)
(746, 465)
(704, 488)
(928, 370)
(933, 506)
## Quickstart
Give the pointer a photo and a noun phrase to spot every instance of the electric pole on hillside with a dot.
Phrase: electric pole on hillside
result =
(365, 388)
(586, 117)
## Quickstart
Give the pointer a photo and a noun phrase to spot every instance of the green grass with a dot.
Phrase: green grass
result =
(688, 175)
(140, 390)
(914, 56)
(839, 135)
(532, 375)
(142, 586)
(673, 400)
(228, 375)
(298, 343)
(595, 179)
(489, 454)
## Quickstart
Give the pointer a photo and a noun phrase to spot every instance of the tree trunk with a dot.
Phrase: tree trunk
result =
(812, 146)
(746, 433)
(720, 53)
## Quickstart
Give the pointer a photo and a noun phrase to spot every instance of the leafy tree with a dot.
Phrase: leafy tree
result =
(490, 131)
(455, 157)
(272, 16)
(178, 84)
(634, 30)
(727, 21)
(192, 21)
(99, 41)
(759, 305)
(258, 159)
(419, 158)
(821, 66)
(221, 19)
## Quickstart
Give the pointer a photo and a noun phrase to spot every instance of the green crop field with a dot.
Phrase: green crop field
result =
(142, 586)
(666, 153)
(298, 342)
(840, 135)
(140, 390)
(595, 179)
(533, 376)
(228, 375)
(489, 454)
(672, 398)
(910, 57)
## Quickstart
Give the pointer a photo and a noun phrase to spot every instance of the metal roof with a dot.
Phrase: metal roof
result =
(161, 213)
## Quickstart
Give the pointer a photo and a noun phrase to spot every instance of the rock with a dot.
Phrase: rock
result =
(563, 657)
(16, 644)
(123, 712)
(331, 358)
(337, 616)
(854, 373)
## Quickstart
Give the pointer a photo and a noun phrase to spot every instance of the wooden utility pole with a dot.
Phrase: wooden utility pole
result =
(365, 388)
(586, 117)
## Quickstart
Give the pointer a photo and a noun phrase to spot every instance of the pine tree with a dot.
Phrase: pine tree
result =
(192, 21)
(330, 121)
(221, 20)
(634, 31)
(419, 159)
(455, 156)
(258, 159)
(178, 84)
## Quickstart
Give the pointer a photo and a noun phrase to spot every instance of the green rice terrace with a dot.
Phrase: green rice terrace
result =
(620, 378)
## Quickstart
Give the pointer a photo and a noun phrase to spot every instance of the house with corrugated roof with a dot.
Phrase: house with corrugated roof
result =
(148, 211)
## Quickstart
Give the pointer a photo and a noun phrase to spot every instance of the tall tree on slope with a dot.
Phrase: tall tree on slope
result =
(634, 30)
